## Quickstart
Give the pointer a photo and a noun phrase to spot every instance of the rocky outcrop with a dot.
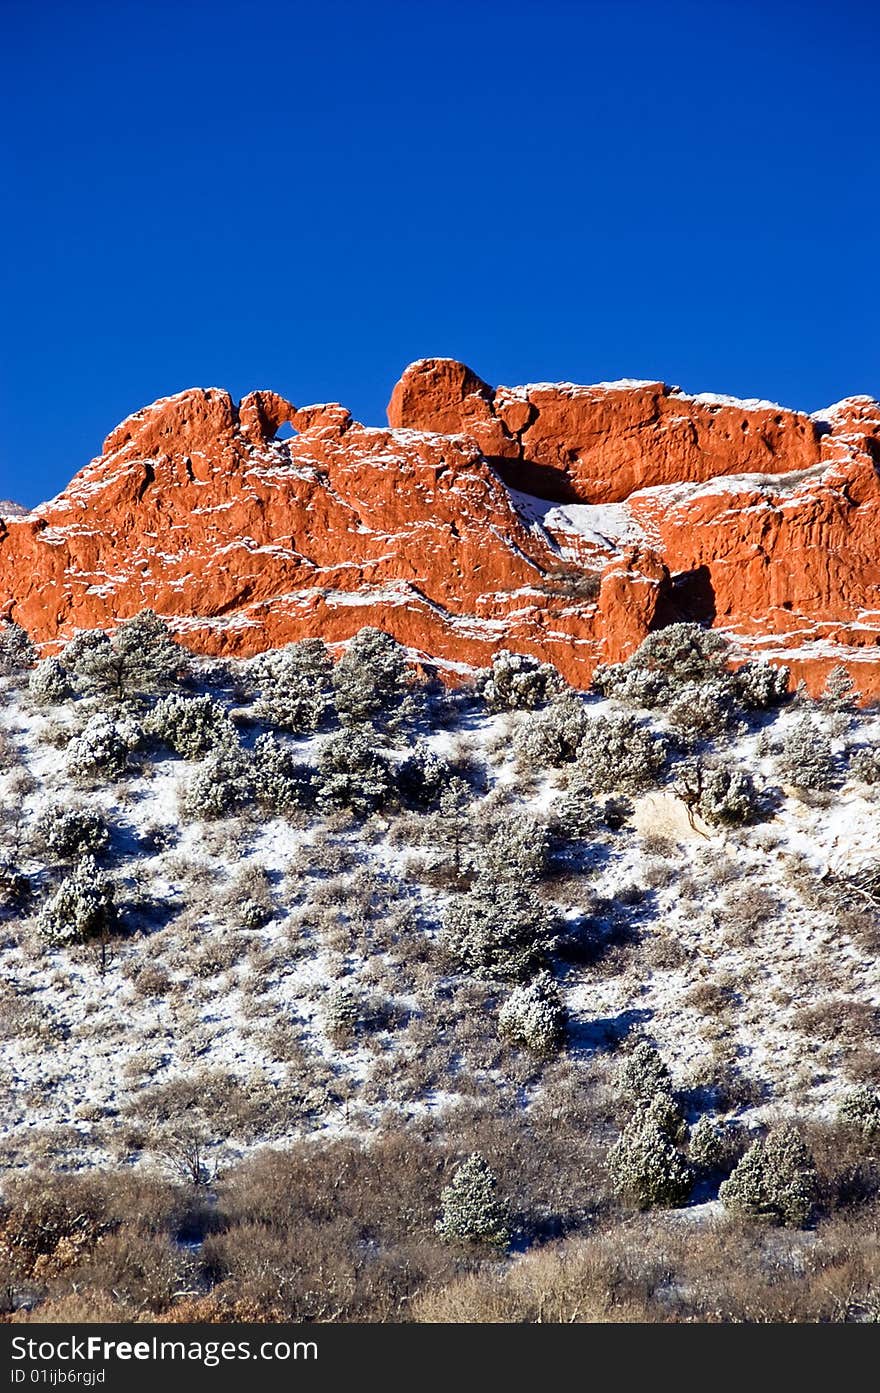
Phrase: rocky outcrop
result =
(559, 520)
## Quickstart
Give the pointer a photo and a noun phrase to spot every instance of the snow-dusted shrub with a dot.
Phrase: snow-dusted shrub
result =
(865, 765)
(371, 677)
(253, 914)
(471, 1209)
(17, 652)
(723, 795)
(644, 1164)
(760, 686)
(533, 1016)
(576, 814)
(516, 682)
(775, 1180)
(140, 657)
(353, 774)
(281, 781)
(498, 930)
(87, 649)
(620, 754)
(296, 686)
(67, 833)
(701, 708)
(341, 1012)
(861, 1108)
(251, 894)
(644, 1074)
(683, 653)
(191, 726)
(706, 1146)
(553, 736)
(806, 759)
(82, 907)
(49, 684)
(516, 850)
(221, 785)
(103, 747)
(422, 778)
(635, 686)
(15, 887)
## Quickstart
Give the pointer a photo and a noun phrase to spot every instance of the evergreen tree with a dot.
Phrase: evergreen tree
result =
(498, 930)
(140, 658)
(533, 1016)
(371, 678)
(775, 1180)
(296, 690)
(471, 1208)
(644, 1163)
(353, 774)
(82, 907)
(517, 682)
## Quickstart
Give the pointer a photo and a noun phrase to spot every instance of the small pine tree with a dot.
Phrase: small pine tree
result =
(644, 1164)
(498, 930)
(865, 765)
(342, 1012)
(722, 795)
(839, 692)
(450, 826)
(775, 1180)
(422, 778)
(861, 1109)
(471, 1210)
(296, 686)
(644, 1074)
(533, 1016)
(683, 653)
(281, 782)
(515, 851)
(640, 687)
(353, 774)
(806, 759)
(706, 1147)
(699, 709)
(220, 786)
(619, 754)
(102, 748)
(760, 686)
(553, 736)
(68, 833)
(15, 887)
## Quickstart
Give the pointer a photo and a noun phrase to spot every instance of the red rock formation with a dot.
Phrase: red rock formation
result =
(559, 520)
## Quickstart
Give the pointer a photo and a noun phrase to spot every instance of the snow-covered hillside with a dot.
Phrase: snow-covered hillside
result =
(747, 953)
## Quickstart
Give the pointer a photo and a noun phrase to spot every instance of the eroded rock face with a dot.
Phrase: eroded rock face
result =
(559, 520)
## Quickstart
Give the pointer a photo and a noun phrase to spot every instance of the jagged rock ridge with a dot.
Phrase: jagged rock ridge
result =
(556, 519)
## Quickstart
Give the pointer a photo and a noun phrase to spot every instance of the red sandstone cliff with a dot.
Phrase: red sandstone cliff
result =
(555, 519)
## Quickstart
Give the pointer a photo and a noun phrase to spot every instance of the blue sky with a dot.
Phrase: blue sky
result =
(307, 197)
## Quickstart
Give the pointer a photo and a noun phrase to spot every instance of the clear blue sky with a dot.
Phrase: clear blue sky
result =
(307, 197)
